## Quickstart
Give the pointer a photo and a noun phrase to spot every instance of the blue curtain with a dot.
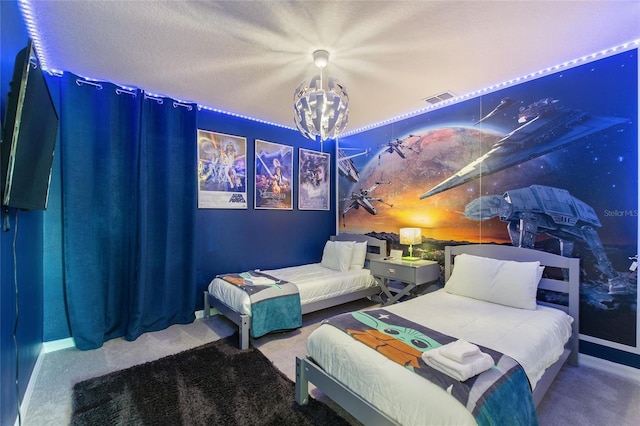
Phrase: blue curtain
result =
(128, 208)
(166, 266)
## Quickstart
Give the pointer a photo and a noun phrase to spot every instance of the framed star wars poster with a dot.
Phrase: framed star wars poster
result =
(274, 176)
(222, 180)
(313, 180)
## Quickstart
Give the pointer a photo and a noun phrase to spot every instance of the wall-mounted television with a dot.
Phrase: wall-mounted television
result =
(28, 135)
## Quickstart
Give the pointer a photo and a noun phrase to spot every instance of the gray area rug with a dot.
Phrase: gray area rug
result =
(211, 384)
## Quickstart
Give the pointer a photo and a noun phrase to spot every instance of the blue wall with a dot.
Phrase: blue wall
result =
(28, 236)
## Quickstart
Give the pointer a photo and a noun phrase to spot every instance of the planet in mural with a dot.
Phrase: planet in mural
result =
(394, 185)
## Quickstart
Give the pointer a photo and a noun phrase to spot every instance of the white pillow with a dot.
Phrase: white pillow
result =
(505, 282)
(337, 255)
(359, 255)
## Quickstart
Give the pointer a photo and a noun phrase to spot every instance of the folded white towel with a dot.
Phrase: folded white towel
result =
(258, 281)
(459, 350)
(460, 371)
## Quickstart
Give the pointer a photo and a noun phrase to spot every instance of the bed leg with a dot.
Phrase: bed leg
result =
(243, 329)
(573, 357)
(302, 385)
(207, 308)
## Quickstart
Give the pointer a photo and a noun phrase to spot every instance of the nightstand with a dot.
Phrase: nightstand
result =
(409, 273)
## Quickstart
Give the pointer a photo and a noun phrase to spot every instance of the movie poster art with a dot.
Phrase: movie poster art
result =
(314, 178)
(222, 171)
(549, 164)
(274, 172)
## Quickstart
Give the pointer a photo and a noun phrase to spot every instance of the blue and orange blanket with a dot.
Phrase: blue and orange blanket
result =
(274, 307)
(499, 396)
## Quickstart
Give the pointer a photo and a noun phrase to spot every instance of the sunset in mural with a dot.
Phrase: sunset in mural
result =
(398, 182)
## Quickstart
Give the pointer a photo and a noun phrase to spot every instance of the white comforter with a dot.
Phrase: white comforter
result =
(314, 283)
(533, 338)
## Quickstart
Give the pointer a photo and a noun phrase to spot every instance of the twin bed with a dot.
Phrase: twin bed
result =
(489, 300)
(340, 277)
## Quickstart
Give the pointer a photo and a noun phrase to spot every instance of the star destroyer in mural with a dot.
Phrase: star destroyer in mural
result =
(545, 126)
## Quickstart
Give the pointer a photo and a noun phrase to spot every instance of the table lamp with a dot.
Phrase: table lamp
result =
(410, 236)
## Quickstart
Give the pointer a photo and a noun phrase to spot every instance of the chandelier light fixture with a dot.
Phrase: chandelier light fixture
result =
(320, 112)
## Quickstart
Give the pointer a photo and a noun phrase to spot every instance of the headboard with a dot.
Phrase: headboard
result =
(376, 248)
(567, 270)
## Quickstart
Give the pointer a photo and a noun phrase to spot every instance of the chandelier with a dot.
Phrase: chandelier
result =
(320, 112)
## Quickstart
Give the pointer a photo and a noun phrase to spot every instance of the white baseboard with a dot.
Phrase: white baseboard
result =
(610, 367)
(47, 347)
(24, 404)
(56, 345)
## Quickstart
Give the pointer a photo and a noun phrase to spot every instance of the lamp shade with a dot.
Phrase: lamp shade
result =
(410, 236)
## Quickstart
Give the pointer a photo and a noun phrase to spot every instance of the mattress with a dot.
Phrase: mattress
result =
(314, 282)
(535, 339)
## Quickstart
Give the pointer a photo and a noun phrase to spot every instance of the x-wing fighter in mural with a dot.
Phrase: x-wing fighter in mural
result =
(345, 163)
(364, 199)
(544, 126)
(552, 211)
(397, 147)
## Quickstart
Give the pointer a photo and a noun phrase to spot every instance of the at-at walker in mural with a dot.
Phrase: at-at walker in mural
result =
(547, 210)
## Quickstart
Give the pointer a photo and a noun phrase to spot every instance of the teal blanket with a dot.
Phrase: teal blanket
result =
(274, 307)
(499, 396)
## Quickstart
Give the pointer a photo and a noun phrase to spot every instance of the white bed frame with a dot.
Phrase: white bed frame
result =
(375, 249)
(308, 371)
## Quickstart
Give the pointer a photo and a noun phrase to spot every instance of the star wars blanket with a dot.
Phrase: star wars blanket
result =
(274, 306)
(499, 396)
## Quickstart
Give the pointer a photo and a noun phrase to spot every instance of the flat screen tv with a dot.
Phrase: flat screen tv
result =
(28, 135)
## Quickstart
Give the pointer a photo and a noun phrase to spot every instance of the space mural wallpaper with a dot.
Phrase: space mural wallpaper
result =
(550, 164)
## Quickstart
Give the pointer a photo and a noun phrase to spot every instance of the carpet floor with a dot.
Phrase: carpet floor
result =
(212, 384)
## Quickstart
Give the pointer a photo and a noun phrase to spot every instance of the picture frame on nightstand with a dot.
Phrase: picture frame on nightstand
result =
(395, 254)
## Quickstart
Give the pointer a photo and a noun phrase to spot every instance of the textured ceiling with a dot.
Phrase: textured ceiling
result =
(247, 57)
